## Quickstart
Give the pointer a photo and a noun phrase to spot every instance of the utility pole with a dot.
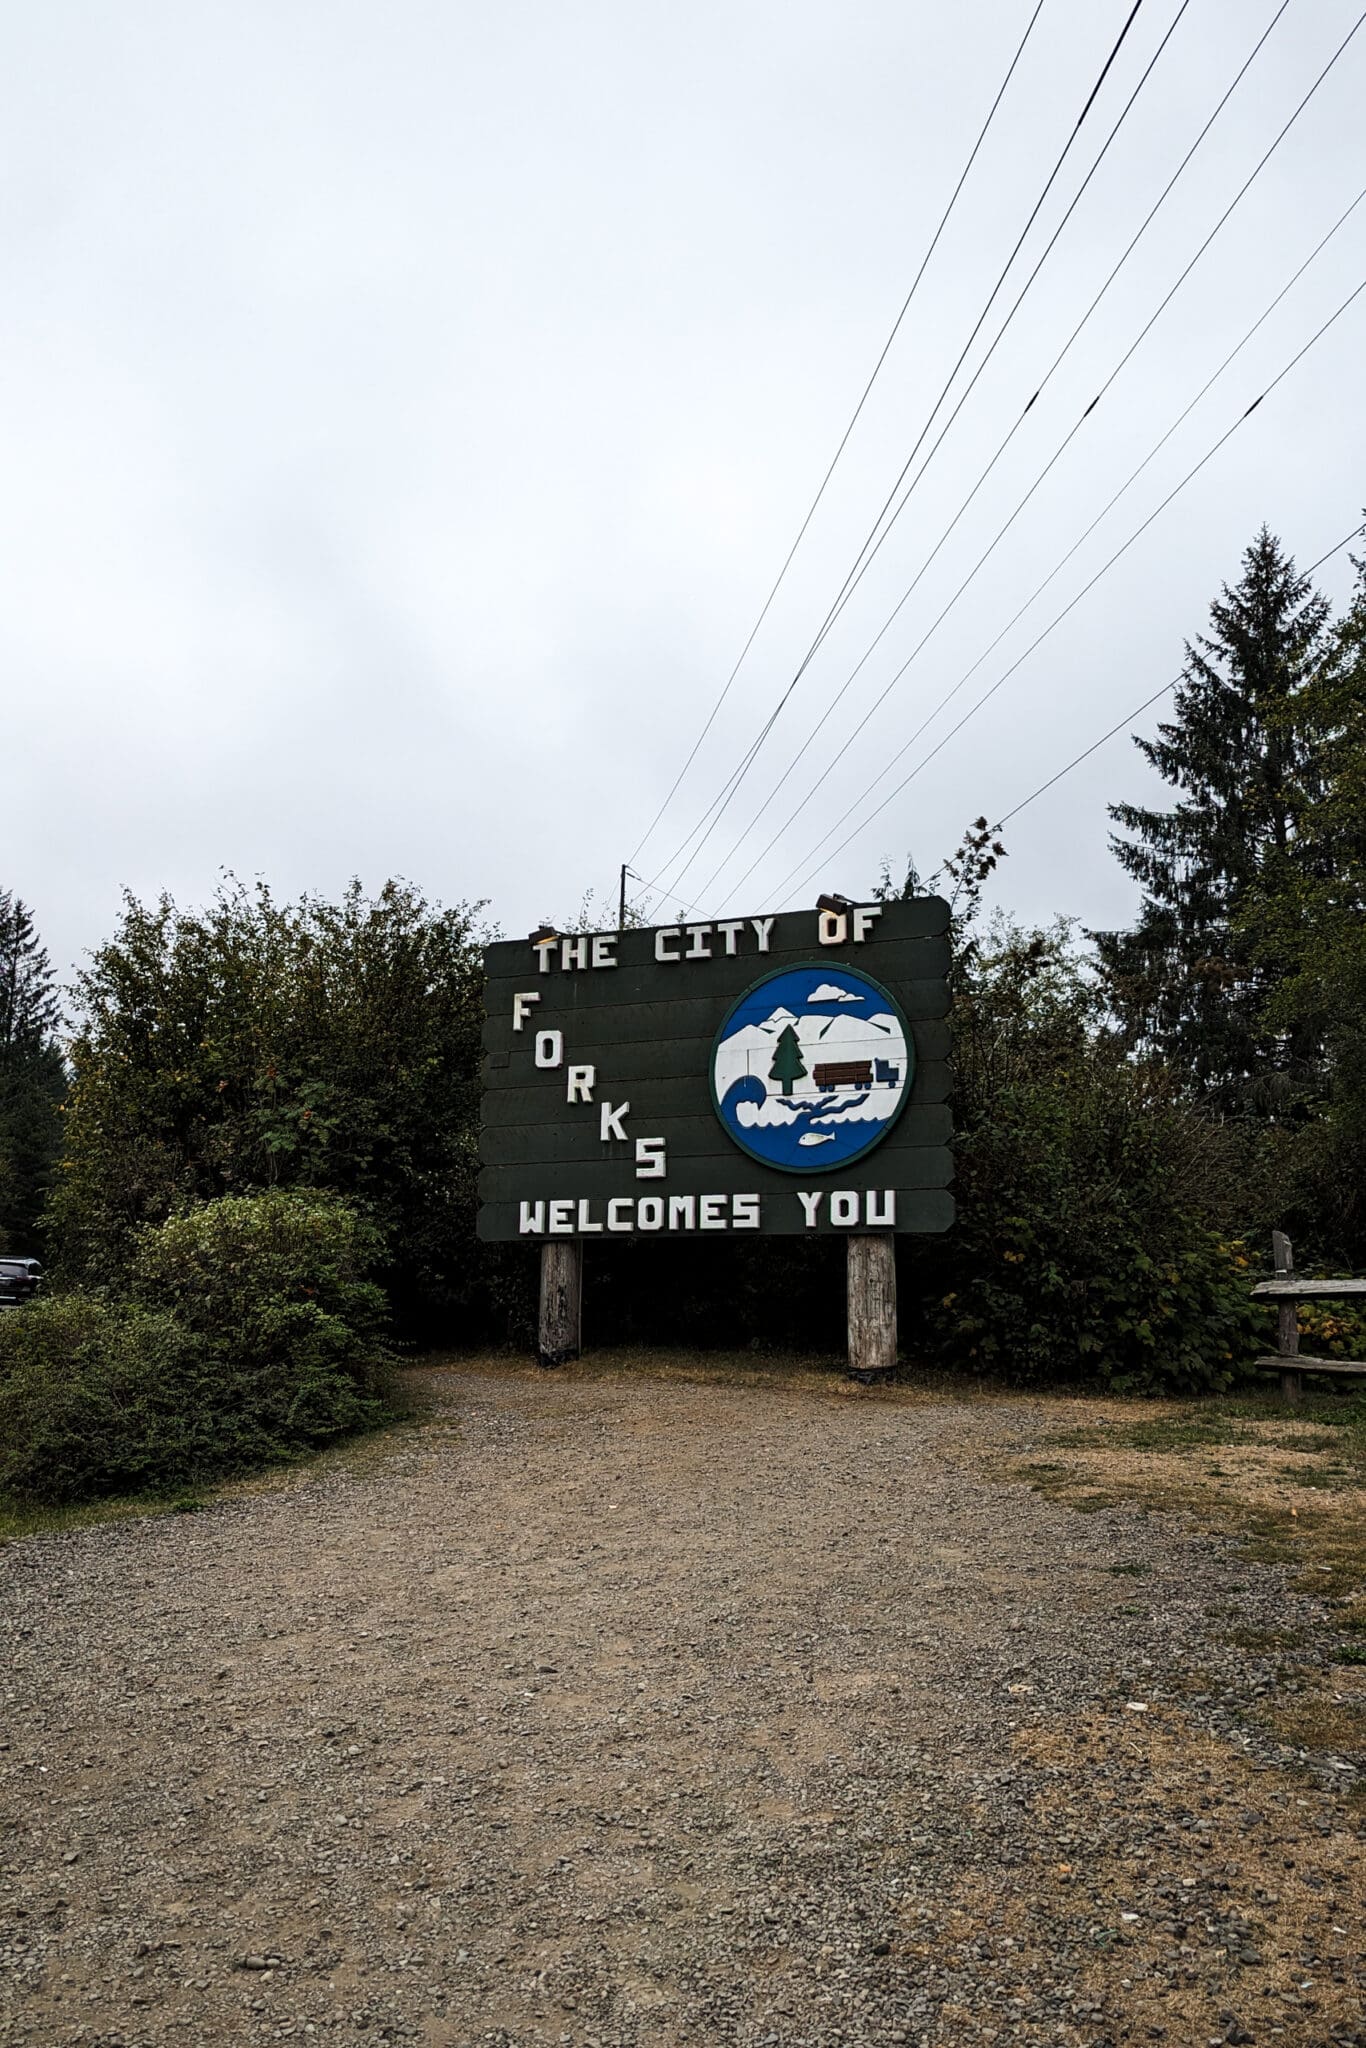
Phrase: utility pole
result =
(621, 899)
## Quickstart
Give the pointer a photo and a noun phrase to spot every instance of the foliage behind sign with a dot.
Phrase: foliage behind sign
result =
(782, 1075)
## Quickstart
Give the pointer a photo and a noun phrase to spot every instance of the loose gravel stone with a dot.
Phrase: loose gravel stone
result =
(630, 1712)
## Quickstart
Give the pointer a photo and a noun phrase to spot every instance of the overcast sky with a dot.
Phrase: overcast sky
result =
(407, 409)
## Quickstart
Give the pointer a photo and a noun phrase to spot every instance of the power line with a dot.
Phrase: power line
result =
(1072, 603)
(970, 386)
(721, 804)
(853, 422)
(1000, 451)
(1054, 571)
(1138, 709)
(1146, 705)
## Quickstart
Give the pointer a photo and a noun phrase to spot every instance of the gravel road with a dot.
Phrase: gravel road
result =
(612, 1711)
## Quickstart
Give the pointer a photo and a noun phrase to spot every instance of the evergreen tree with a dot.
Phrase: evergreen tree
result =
(1185, 982)
(1306, 924)
(787, 1060)
(29, 1012)
(32, 1076)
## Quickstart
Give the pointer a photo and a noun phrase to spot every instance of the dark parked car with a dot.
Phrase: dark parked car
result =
(20, 1280)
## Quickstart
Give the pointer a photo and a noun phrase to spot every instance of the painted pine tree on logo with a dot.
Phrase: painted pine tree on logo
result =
(788, 1065)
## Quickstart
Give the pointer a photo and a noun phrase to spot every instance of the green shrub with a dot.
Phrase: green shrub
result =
(1080, 1252)
(254, 1338)
(242, 1271)
(300, 1045)
(97, 1399)
(1331, 1329)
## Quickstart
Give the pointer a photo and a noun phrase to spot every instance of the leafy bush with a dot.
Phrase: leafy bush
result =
(1080, 1250)
(254, 1337)
(260, 1044)
(274, 1288)
(220, 1264)
(1332, 1329)
(99, 1399)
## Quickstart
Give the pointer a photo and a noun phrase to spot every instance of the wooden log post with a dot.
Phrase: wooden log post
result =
(1287, 1320)
(561, 1325)
(872, 1306)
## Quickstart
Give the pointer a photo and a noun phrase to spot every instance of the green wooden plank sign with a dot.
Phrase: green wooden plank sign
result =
(785, 1075)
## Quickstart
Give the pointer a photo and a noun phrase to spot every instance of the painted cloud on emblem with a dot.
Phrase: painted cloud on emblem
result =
(808, 1073)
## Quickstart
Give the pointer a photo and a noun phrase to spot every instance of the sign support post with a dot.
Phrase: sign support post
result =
(872, 1306)
(561, 1320)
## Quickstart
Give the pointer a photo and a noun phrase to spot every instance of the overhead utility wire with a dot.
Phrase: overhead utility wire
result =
(967, 501)
(1146, 705)
(1108, 507)
(853, 422)
(1137, 712)
(737, 776)
(864, 566)
(973, 709)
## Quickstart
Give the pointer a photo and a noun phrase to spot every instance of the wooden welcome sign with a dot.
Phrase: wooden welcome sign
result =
(780, 1075)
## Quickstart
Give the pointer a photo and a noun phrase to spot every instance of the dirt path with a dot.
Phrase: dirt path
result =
(622, 1711)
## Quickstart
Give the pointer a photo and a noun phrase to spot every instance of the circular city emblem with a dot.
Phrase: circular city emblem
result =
(811, 1067)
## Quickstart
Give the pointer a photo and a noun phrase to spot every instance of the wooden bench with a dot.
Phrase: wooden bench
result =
(1290, 1362)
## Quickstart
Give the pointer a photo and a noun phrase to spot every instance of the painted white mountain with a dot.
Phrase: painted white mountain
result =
(874, 1043)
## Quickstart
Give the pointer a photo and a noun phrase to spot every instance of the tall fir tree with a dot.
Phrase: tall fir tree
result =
(32, 1076)
(1186, 982)
(1306, 924)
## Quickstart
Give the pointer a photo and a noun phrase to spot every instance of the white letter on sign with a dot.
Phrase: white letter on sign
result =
(832, 927)
(581, 1082)
(521, 1006)
(863, 920)
(602, 950)
(668, 931)
(609, 1121)
(549, 1048)
(844, 1206)
(530, 1216)
(649, 1159)
(811, 1207)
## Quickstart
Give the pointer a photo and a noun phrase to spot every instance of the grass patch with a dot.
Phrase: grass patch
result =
(1288, 1485)
(1313, 1721)
(19, 1518)
(410, 1403)
(1262, 1639)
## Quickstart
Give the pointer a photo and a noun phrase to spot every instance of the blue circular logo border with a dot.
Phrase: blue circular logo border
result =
(818, 967)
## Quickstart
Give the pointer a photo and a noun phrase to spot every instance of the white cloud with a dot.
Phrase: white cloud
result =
(828, 992)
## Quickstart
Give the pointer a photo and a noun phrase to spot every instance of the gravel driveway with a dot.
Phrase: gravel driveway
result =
(608, 1710)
